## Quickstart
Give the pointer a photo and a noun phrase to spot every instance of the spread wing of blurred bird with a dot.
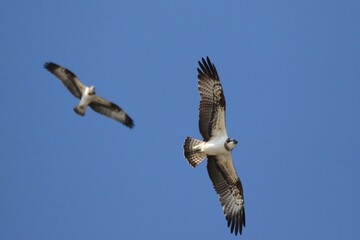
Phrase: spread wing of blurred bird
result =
(88, 96)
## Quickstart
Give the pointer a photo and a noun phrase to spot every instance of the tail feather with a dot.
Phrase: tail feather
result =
(194, 156)
(80, 110)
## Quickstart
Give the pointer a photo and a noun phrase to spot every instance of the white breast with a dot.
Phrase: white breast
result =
(215, 146)
(86, 98)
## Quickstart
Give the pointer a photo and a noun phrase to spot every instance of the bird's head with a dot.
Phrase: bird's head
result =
(230, 144)
(92, 90)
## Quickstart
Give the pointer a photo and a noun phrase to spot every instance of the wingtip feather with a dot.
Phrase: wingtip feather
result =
(50, 66)
(130, 124)
(207, 68)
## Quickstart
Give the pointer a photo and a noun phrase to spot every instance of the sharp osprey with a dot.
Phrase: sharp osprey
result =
(217, 146)
(88, 96)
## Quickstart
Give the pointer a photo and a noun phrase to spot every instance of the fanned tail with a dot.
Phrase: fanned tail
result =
(192, 151)
(80, 110)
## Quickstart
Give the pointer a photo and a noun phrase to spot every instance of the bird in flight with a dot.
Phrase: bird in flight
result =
(216, 146)
(88, 96)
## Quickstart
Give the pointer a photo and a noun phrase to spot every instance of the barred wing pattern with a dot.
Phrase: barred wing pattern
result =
(67, 77)
(111, 110)
(212, 103)
(229, 189)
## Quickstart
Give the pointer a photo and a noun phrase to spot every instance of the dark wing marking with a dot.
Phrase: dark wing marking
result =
(229, 189)
(111, 110)
(212, 104)
(67, 77)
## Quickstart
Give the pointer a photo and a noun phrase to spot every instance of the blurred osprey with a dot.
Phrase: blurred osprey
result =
(88, 96)
(217, 146)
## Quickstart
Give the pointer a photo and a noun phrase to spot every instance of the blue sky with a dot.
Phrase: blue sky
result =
(291, 77)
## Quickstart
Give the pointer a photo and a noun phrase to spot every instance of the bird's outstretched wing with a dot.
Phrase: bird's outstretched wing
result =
(212, 104)
(111, 110)
(229, 189)
(67, 77)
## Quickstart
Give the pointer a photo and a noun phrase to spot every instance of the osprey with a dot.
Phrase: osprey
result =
(217, 146)
(88, 96)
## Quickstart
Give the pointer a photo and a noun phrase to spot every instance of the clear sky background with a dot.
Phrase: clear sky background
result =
(291, 77)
